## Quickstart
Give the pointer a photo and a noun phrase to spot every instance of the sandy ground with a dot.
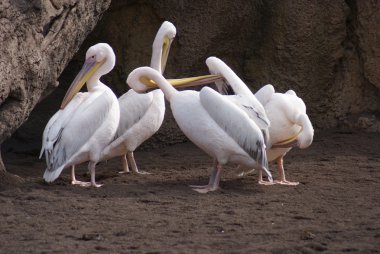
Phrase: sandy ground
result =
(335, 209)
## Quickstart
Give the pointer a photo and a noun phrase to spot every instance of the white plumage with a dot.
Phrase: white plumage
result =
(141, 115)
(290, 125)
(236, 91)
(86, 123)
(213, 123)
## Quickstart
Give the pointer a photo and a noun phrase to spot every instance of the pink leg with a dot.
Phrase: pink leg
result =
(125, 164)
(214, 180)
(132, 161)
(91, 167)
(261, 181)
(281, 173)
(74, 180)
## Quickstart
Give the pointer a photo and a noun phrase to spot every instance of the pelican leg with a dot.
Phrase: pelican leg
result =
(91, 167)
(210, 181)
(132, 161)
(125, 164)
(281, 173)
(214, 180)
(74, 180)
(261, 181)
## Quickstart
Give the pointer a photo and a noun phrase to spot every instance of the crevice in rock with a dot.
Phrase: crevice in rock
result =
(8, 102)
(56, 24)
(352, 41)
(2, 167)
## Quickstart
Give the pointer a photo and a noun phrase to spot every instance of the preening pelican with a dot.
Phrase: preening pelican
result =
(141, 115)
(290, 125)
(86, 122)
(212, 122)
(236, 91)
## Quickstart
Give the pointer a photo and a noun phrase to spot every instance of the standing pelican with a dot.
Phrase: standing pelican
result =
(141, 115)
(212, 122)
(235, 90)
(290, 125)
(86, 122)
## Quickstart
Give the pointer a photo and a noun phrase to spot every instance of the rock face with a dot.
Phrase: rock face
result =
(35, 50)
(327, 51)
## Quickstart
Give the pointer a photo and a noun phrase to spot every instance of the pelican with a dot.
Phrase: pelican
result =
(141, 115)
(86, 122)
(290, 125)
(212, 122)
(235, 90)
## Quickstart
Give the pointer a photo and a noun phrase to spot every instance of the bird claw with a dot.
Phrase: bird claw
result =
(261, 182)
(86, 184)
(124, 172)
(199, 186)
(143, 173)
(80, 183)
(285, 182)
(204, 190)
(137, 172)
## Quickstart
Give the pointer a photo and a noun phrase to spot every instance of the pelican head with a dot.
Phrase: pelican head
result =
(218, 67)
(100, 59)
(306, 134)
(161, 45)
(304, 137)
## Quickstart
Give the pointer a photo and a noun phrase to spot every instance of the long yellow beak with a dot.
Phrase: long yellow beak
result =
(88, 69)
(184, 82)
(165, 53)
(287, 142)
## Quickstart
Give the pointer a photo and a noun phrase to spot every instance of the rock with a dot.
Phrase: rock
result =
(363, 122)
(35, 49)
(307, 235)
(327, 51)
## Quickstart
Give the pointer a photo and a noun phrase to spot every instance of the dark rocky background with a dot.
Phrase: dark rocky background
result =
(327, 51)
(38, 39)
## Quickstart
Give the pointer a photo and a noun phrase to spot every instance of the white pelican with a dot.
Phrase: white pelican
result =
(290, 125)
(86, 123)
(237, 92)
(141, 115)
(212, 122)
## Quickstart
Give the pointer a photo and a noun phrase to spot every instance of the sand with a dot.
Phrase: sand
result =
(334, 209)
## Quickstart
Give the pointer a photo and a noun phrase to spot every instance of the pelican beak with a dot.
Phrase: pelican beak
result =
(88, 69)
(289, 142)
(165, 52)
(184, 82)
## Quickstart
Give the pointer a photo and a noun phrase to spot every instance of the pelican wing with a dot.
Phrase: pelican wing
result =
(247, 102)
(133, 107)
(235, 123)
(73, 127)
(255, 111)
(264, 94)
(53, 127)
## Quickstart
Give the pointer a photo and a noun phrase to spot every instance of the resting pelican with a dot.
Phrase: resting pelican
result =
(290, 125)
(212, 122)
(141, 115)
(86, 122)
(238, 93)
